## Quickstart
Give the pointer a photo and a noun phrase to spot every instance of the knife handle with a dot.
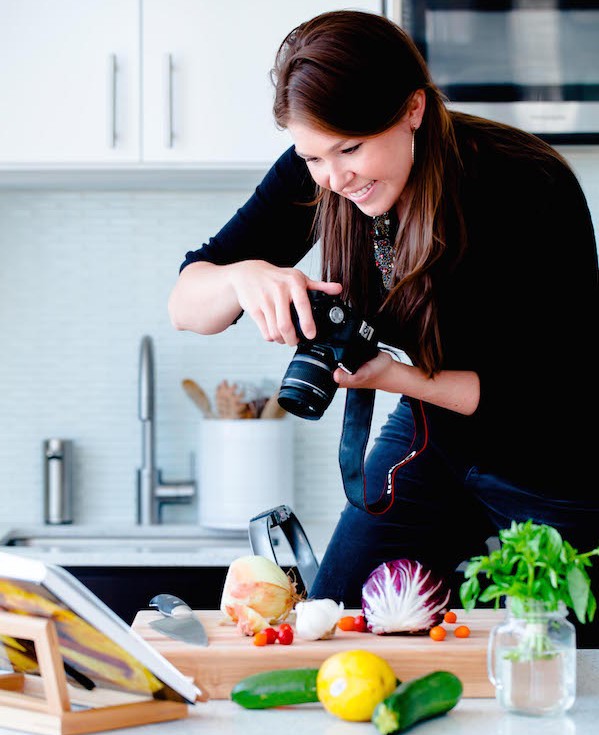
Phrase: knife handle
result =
(170, 605)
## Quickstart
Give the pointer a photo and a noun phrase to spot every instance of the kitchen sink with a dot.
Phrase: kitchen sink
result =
(125, 543)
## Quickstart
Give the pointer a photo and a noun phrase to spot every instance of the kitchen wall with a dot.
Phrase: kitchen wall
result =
(84, 274)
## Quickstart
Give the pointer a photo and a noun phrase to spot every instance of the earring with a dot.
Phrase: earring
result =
(414, 128)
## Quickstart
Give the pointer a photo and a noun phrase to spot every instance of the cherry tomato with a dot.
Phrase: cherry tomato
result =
(285, 626)
(450, 617)
(347, 622)
(360, 624)
(260, 638)
(271, 635)
(462, 631)
(285, 635)
(437, 633)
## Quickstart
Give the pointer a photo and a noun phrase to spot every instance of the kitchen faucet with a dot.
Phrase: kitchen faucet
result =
(152, 492)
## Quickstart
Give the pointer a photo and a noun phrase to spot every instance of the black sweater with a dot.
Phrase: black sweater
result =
(520, 309)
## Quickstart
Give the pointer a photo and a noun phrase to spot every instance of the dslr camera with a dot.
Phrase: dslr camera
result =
(343, 339)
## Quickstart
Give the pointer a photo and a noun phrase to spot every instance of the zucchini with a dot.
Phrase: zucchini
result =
(416, 700)
(276, 688)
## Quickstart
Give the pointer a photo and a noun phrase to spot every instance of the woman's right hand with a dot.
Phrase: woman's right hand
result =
(265, 292)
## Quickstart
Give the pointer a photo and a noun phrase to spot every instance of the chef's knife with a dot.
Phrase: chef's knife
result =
(178, 621)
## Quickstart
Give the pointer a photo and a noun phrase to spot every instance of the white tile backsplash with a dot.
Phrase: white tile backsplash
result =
(83, 275)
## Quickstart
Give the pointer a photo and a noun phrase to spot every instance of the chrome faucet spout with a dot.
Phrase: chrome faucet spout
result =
(146, 475)
(146, 379)
(152, 492)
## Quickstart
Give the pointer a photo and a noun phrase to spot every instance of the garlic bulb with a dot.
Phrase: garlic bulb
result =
(316, 619)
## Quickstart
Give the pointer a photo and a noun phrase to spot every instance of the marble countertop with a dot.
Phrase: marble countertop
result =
(469, 717)
(160, 545)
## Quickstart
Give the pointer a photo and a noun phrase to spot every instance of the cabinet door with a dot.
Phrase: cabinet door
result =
(207, 94)
(69, 81)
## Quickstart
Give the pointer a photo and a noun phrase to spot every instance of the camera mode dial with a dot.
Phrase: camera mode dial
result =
(336, 315)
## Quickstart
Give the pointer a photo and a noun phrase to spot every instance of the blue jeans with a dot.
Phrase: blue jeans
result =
(444, 512)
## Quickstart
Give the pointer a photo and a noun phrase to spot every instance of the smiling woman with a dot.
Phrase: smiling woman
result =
(446, 233)
(371, 171)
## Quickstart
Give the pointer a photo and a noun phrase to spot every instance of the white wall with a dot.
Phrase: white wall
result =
(83, 275)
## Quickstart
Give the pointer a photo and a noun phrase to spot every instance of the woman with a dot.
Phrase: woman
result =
(469, 245)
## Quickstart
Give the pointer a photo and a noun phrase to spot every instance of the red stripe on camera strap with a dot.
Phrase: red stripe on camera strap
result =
(357, 418)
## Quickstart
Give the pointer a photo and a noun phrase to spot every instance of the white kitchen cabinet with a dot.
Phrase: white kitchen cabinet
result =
(137, 84)
(207, 94)
(69, 81)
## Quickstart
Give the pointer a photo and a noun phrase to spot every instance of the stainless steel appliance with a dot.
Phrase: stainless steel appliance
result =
(58, 481)
(529, 63)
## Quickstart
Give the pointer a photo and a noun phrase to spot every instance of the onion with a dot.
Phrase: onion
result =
(403, 596)
(257, 593)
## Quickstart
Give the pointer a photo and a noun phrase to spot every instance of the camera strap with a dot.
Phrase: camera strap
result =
(357, 418)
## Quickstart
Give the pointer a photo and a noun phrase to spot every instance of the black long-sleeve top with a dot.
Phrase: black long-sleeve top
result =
(520, 309)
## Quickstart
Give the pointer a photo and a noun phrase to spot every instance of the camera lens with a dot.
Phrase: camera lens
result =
(308, 386)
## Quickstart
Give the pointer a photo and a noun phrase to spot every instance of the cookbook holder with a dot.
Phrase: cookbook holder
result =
(261, 541)
(47, 704)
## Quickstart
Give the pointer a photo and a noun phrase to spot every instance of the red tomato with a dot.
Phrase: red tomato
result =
(360, 624)
(285, 635)
(271, 635)
(285, 626)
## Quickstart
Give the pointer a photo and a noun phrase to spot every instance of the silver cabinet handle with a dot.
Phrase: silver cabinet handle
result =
(168, 100)
(111, 127)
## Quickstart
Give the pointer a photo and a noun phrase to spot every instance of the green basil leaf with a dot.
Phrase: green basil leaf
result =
(469, 592)
(492, 592)
(553, 545)
(578, 587)
(591, 607)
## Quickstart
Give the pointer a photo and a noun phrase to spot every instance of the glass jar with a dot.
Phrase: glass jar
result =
(532, 659)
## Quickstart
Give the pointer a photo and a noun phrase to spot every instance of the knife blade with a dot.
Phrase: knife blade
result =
(178, 621)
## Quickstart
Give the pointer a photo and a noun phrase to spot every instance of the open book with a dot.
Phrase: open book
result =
(97, 647)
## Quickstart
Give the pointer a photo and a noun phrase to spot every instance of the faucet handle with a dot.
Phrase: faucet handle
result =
(181, 491)
(178, 491)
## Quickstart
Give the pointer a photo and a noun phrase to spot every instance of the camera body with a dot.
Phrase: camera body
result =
(343, 339)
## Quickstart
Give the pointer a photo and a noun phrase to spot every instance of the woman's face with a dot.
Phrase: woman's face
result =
(372, 171)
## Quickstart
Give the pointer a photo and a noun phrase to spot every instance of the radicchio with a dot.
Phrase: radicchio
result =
(403, 596)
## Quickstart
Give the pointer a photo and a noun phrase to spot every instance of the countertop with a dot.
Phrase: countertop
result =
(469, 717)
(160, 545)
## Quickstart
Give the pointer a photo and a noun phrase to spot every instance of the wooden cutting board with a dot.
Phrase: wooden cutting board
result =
(230, 656)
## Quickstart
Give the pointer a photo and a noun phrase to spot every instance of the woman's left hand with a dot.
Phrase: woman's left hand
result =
(372, 374)
(456, 390)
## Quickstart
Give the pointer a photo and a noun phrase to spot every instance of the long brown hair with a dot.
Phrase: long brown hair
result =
(353, 74)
